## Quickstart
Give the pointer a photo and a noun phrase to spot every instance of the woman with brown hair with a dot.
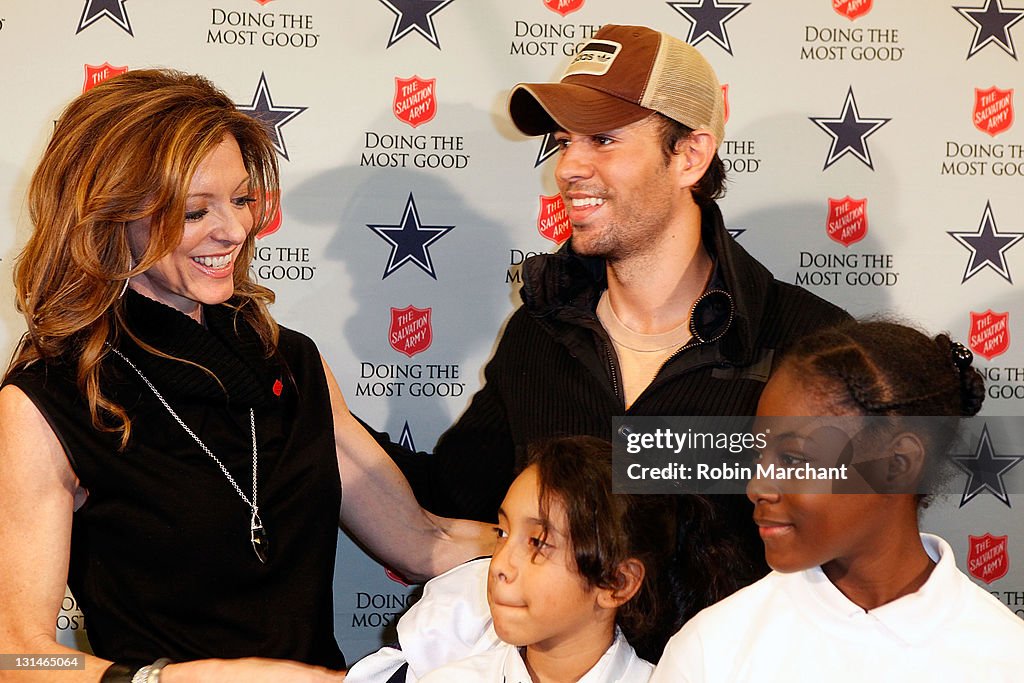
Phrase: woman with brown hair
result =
(166, 449)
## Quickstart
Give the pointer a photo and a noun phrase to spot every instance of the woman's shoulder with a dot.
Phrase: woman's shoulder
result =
(293, 341)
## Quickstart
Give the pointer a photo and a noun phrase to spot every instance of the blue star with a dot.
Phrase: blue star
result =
(112, 9)
(273, 117)
(415, 15)
(985, 470)
(991, 25)
(409, 240)
(548, 148)
(707, 19)
(988, 246)
(849, 132)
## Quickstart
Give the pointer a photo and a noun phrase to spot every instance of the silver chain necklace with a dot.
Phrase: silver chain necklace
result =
(257, 535)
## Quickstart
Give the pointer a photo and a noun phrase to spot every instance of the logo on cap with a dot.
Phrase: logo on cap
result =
(852, 9)
(847, 220)
(988, 558)
(415, 100)
(94, 75)
(594, 59)
(993, 110)
(990, 333)
(563, 7)
(410, 331)
(553, 219)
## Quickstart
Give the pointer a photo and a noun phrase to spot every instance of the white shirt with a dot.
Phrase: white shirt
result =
(800, 627)
(504, 664)
(450, 621)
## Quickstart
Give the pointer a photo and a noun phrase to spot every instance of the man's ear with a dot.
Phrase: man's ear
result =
(906, 462)
(629, 578)
(694, 154)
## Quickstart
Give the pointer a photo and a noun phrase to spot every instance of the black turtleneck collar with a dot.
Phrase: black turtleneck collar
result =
(227, 346)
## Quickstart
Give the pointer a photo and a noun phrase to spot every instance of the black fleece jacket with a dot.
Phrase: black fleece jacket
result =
(554, 372)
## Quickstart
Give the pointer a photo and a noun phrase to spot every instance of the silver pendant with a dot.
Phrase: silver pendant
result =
(258, 538)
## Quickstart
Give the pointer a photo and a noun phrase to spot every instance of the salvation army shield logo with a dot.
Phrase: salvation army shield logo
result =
(553, 219)
(410, 331)
(990, 333)
(852, 9)
(847, 220)
(563, 7)
(94, 75)
(993, 110)
(415, 100)
(274, 224)
(987, 558)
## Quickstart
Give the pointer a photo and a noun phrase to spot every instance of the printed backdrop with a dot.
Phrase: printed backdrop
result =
(873, 146)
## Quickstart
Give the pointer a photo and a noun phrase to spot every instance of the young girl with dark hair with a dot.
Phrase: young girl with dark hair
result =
(857, 592)
(580, 577)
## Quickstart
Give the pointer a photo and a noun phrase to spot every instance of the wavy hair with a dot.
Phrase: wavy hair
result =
(127, 150)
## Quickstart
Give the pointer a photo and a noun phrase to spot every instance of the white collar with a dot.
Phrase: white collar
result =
(613, 665)
(912, 618)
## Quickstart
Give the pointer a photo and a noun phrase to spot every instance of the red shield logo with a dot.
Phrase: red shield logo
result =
(988, 558)
(94, 75)
(852, 9)
(553, 219)
(263, 2)
(990, 333)
(993, 110)
(563, 7)
(725, 99)
(275, 221)
(847, 220)
(415, 100)
(410, 331)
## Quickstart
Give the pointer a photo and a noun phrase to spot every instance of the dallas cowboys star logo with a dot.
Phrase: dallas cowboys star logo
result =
(409, 240)
(707, 19)
(988, 246)
(273, 117)
(849, 132)
(991, 25)
(985, 470)
(112, 9)
(415, 15)
(548, 148)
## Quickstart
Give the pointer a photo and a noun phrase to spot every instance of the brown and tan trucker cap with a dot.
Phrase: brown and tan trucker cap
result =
(619, 77)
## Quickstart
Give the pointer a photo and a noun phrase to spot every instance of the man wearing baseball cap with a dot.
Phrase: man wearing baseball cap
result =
(651, 308)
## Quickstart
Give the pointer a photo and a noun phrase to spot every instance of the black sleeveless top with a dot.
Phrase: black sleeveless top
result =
(161, 560)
